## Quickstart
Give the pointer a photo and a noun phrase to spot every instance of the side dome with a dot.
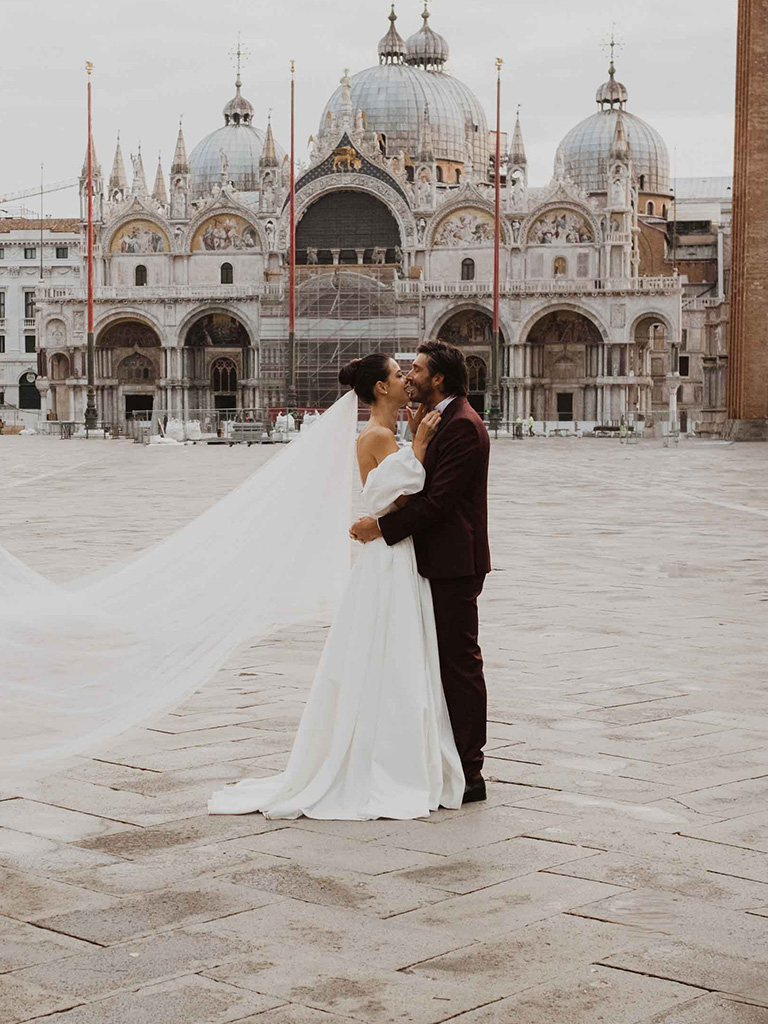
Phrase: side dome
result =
(394, 98)
(586, 149)
(232, 152)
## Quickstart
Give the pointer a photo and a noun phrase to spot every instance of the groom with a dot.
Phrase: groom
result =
(448, 521)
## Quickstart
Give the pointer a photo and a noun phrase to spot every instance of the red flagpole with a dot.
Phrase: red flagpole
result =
(90, 409)
(292, 397)
(495, 415)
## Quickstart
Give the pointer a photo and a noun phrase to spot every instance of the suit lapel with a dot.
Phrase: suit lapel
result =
(448, 414)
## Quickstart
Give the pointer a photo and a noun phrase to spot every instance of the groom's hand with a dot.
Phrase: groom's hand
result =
(365, 530)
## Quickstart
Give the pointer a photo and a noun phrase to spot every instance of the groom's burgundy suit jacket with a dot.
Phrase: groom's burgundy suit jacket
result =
(448, 520)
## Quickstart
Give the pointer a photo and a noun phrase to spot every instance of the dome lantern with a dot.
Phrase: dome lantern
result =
(612, 93)
(392, 47)
(238, 110)
(427, 48)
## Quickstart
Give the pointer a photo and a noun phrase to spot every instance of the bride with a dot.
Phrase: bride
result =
(375, 740)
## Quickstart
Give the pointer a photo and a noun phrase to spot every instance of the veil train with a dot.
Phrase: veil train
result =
(82, 662)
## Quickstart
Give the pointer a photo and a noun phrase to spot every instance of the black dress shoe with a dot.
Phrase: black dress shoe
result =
(474, 791)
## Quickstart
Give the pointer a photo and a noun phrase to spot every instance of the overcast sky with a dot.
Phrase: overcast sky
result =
(157, 59)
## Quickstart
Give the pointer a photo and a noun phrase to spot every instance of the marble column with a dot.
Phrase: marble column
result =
(747, 398)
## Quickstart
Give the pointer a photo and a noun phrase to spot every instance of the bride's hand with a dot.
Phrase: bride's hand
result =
(425, 433)
(428, 428)
(415, 416)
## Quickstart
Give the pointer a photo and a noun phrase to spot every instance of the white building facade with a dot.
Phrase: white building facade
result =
(32, 253)
(395, 218)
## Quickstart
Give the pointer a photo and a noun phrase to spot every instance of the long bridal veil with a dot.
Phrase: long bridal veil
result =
(81, 663)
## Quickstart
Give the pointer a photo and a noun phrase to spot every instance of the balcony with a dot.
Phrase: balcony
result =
(150, 293)
(29, 323)
(556, 286)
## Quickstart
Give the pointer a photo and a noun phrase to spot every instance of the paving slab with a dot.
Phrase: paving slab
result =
(23, 945)
(691, 964)
(42, 819)
(190, 1000)
(712, 1009)
(595, 994)
(354, 991)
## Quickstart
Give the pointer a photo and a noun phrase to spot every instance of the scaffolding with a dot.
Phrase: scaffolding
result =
(343, 313)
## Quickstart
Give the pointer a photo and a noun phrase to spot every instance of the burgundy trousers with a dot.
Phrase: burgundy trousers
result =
(461, 666)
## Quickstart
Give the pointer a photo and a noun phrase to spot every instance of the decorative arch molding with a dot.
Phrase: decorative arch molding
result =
(557, 307)
(127, 313)
(206, 310)
(555, 205)
(330, 183)
(214, 211)
(651, 314)
(50, 327)
(439, 320)
(137, 214)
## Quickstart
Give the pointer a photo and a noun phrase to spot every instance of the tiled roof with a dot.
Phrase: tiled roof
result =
(68, 224)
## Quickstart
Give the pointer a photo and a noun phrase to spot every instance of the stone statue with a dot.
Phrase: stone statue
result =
(516, 231)
(421, 230)
(398, 254)
(379, 257)
(270, 229)
(311, 257)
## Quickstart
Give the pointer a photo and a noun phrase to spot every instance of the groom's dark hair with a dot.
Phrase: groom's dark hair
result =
(448, 360)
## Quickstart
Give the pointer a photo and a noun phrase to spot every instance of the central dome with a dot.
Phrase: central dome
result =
(231, 153)
(409, 82)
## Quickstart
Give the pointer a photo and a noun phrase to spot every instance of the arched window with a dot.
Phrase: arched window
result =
(664, 211)
(439, 173)
(137, 369)
(560, 267)
(458, 175)
(642, 182)
(29, 396)
(650, 208)
(476, 374)
(223, 376)
(410, 173)
(140, 275)
(467, 270)
(226, 273)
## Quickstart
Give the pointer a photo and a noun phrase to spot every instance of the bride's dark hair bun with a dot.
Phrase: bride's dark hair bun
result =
(348, 373)
(364, 374)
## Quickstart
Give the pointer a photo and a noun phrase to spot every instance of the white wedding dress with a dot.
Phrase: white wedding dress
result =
(375, 740)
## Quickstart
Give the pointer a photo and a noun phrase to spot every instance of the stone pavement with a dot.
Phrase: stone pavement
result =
(618, 872)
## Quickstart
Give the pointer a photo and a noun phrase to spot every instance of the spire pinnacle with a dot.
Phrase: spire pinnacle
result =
(620, 145)
(269, 152)
(180, 163)
(519, 158)
(159, 192)
(427, 152)
(118, 181)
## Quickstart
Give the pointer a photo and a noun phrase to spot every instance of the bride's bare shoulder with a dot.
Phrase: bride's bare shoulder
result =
(374, 445)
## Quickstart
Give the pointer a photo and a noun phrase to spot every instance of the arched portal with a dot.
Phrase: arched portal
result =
(346, 226)
(217, 356)
(128, 370)
(566, 359)
(472, 331)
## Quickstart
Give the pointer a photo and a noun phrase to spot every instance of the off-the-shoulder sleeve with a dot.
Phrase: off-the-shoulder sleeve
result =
(400, 473)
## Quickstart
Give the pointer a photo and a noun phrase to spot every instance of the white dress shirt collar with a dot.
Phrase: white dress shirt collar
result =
(442, 406)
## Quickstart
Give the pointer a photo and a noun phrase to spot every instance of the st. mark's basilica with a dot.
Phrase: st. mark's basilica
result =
(394, 244)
